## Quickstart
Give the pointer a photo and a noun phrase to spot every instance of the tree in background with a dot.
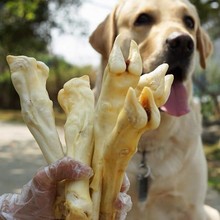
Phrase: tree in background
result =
(25, 28)
(20, 25)
(209, 12)
(207, 81)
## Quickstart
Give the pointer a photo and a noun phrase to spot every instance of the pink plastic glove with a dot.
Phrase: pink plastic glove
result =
(123, 203)
(38, 196)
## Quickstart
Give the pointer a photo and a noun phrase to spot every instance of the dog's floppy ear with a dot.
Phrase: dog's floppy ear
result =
(204, 46)
(103, 37)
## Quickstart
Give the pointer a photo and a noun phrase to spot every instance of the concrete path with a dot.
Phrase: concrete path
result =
(20, 158)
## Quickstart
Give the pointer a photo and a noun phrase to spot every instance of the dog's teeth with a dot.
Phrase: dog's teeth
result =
(134, 58)
(116, 59)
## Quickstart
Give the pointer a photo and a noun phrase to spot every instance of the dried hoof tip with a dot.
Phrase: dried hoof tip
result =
(135, 64)
(117, 63)
(116, 59)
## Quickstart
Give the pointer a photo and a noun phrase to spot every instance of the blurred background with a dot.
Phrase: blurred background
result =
(56, 32)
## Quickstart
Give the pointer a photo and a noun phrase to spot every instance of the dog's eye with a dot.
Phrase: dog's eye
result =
(144, 19)
(189, 22)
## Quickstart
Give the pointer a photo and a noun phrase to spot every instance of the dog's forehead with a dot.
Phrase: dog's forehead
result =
(131, 6)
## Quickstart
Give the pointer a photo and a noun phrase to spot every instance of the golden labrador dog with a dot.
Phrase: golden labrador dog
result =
(168, 174)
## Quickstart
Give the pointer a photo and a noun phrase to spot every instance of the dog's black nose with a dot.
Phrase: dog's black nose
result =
(180, 45)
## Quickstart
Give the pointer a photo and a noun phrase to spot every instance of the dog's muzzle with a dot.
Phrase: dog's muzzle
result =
(179, 48)
(179, 51)
(180, 45)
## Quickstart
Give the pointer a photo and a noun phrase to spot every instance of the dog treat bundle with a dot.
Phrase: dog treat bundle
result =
(104, 136)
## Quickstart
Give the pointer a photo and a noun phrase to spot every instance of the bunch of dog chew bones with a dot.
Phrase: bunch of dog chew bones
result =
(103, 135)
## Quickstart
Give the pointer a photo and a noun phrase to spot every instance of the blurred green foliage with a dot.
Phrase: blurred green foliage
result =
(206, 83)
(25, 28)
(21, 9)
(21, 28)
(60, 72)
(209, 13)
(213, 159)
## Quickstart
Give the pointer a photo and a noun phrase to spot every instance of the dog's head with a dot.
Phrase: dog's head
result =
(167, 31)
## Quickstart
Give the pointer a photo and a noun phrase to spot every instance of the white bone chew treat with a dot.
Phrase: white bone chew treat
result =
(105, 137)
(128, 119)
(132, 122)
(158, 82)
(29, 79)
(118, 77)
(77, 100)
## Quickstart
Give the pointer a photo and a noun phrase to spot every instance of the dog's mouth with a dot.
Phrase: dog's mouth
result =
(177, 103)
(178, 72)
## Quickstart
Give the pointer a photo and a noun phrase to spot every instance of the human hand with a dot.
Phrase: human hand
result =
(38, 196)
(123, 203)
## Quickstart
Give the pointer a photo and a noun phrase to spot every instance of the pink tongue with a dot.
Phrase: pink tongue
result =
(177, 104)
